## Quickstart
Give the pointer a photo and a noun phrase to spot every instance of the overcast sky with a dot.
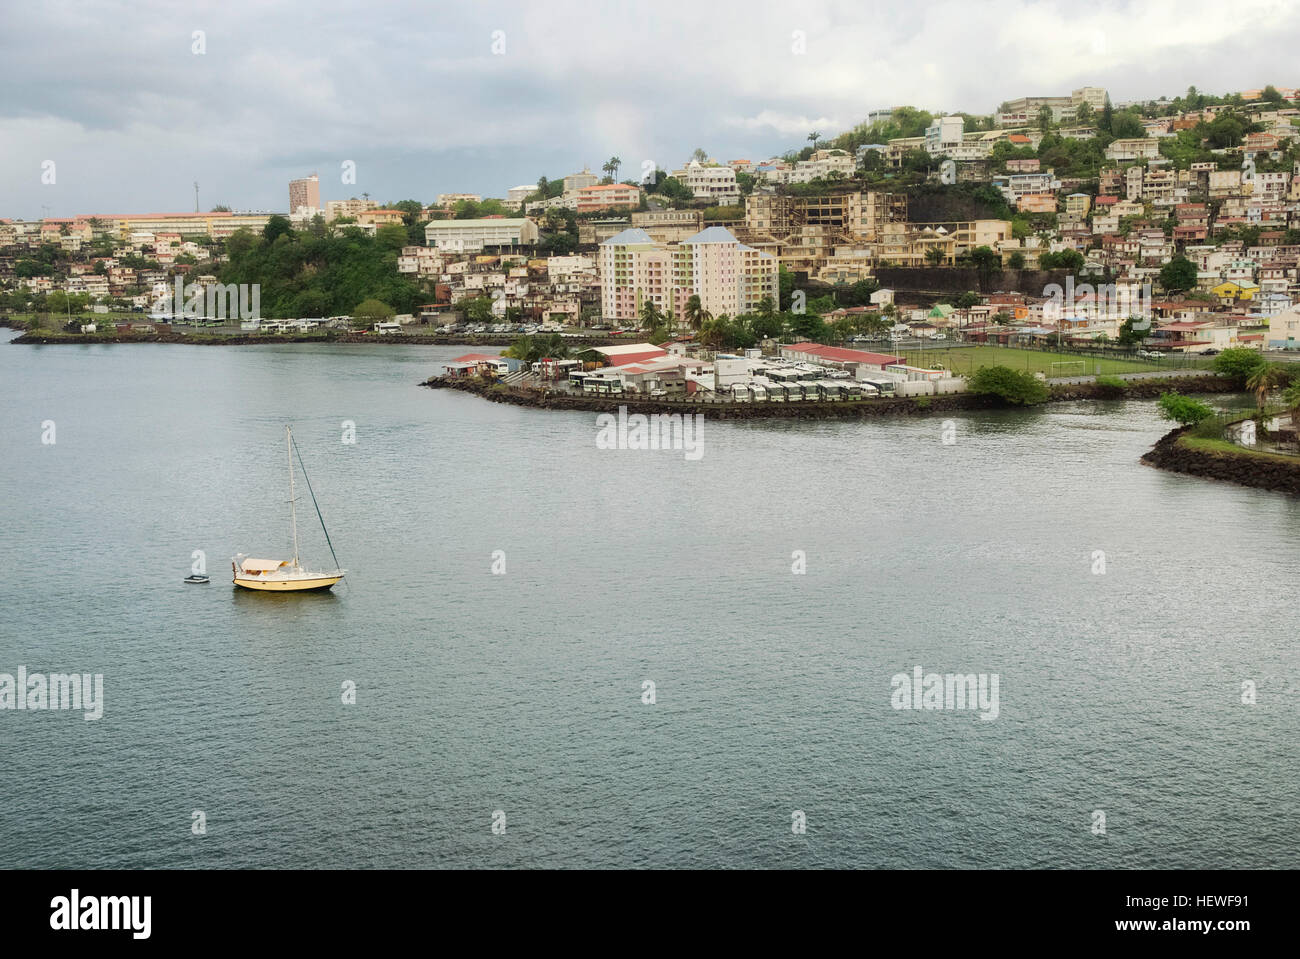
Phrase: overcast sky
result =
(429, 98)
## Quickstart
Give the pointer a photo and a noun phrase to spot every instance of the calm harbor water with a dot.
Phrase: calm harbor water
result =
(1119, 691)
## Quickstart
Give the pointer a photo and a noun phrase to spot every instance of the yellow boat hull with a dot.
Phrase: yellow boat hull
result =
(288, 585)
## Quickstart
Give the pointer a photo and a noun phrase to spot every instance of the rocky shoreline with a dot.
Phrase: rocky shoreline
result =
(46, 338)
(841, 409)
(1244, 468)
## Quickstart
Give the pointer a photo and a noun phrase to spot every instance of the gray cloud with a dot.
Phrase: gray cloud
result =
(415, 95)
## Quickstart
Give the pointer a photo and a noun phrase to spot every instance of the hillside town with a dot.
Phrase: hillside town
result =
(1174, 222)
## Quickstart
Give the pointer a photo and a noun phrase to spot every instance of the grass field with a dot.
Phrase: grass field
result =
(965, 359)
(1232, 449)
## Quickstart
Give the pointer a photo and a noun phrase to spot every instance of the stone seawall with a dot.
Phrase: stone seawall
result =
(1149, 389)
(809, 410)
(841, 409)
(1244, 469)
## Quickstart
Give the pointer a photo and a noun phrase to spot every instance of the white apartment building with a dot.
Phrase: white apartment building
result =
(943, 137)
(818, 166)
(516, 195)
(1015, 186)
(468, 235)
(715, 183)
(1135, 148)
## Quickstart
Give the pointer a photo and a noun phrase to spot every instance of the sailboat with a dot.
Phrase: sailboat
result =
(288, 575)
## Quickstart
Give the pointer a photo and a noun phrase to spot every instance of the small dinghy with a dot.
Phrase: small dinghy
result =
(196, 578)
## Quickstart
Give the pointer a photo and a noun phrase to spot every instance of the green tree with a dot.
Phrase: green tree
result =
(1127, 126)
(1183, 409)
(1016, 261)
(276, 227)
(391, 237)
(370, 312)
(859, 294)
(987, 263)
(1016, 387)
(1071, 260)
(1238, 363)
(674, 189)
(477, 309)
(312, 304)
(1134, 330)
(1178, 275)
(785, 286)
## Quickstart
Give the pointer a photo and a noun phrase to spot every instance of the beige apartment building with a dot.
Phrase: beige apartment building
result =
(669, 226)
(1025, 110)
(218, 225)
(347, 208)
(907, 244)
(804, 232)
(469, 235)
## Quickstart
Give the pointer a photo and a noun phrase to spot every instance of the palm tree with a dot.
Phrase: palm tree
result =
(521, 349)
(713, 332)
(813, 138)
(696, 314)
(650, 315)
(1264, 380)
(611, 167)
(1291, 397)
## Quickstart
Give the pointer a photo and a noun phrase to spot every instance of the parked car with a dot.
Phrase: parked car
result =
(1209, 352)
(938, 336)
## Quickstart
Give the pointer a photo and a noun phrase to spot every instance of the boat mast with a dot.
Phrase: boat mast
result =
(293, 506)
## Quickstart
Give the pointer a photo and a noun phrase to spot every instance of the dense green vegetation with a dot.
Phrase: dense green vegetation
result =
(1111, 387)
(1016, 387)
(1238, 363)
(303, 274)
(1183, 409)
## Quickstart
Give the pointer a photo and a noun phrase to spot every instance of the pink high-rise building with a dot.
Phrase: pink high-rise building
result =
(728, 276)
(304, 194)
